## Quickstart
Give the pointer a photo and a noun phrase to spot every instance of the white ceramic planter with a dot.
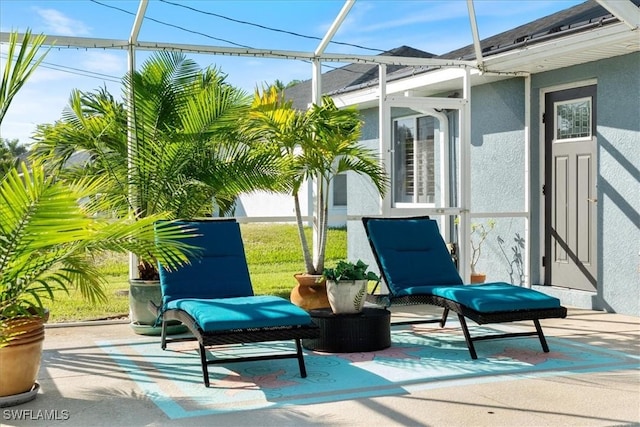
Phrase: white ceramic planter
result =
(347, 296)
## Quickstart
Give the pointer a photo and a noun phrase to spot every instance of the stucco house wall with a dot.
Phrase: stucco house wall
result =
(498, 147)
(497, 172)
(498, 167)
(363, 201)
(498, 156)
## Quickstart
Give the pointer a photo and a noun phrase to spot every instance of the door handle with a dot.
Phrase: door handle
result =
(592, 200)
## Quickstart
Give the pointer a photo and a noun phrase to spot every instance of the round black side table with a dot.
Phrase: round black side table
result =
(369, 330)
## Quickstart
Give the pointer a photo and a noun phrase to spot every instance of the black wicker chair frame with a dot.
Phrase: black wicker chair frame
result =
(223, 250)
(463, 312)
(478, 317)
(236, 336)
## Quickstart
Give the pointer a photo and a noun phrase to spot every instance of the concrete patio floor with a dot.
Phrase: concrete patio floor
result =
(89, 395)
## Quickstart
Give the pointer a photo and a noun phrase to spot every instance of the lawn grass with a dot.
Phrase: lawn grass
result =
(273, 255)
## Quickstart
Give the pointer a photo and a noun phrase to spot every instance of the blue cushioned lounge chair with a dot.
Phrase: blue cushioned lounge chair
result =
(214, 298)
(417, 268)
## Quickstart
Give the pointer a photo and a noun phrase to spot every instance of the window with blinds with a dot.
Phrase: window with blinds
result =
(414, 160)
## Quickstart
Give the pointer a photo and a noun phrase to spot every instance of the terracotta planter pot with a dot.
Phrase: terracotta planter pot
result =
(309, 294)
(478, 278)
(20, 358)
(346, 297)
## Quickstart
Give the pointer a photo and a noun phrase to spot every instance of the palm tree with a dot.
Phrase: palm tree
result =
(18, 66)
(10, 154)
(315, 145)
(186, 150)
(48, 238)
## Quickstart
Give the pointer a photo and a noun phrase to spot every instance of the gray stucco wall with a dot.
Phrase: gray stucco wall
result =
(363, 200)
(497, 163)
(497, 176)
(618, 180)
(497, 147)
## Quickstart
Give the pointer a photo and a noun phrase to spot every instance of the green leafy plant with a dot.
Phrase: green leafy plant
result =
(10, 154)
(51, 229)
(20, 64)
(184, 150)
(346, 271)
(316, 145)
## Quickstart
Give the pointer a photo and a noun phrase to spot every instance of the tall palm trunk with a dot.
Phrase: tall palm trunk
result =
(323, 224)
(308, 262)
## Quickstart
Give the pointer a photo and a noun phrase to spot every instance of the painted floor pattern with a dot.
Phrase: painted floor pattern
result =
(420, 357)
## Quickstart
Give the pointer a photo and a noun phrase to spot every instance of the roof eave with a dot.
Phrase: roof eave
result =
(594, 44)
(591, 45)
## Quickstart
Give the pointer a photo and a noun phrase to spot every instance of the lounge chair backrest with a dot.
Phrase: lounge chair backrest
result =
(410, 253)
(220, 269)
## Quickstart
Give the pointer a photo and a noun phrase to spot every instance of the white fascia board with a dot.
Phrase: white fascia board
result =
(511, 62)
(368, 96)
(427, 79)
(602, 36)
(426, 102)
(363, 98)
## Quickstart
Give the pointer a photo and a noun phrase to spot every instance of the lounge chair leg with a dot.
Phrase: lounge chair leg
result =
(467, 336)
(443, 321)
(303, 369)
(543, 340)
(205, 369)
(163, 337)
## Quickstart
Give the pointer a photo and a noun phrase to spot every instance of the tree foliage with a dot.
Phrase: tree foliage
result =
(20, 64)
(11, 152)
(316, 145)
(50, 229)
(182, 152)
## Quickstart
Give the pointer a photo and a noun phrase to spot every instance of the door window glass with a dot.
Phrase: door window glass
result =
(573, 119)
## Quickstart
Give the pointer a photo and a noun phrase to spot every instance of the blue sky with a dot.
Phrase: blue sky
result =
(436, 26)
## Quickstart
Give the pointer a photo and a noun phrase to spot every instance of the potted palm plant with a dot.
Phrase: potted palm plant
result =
(317, 145)
(347, 286)
(49, 229)
(186, 152)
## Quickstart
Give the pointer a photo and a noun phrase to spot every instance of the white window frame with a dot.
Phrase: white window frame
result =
(437, 136)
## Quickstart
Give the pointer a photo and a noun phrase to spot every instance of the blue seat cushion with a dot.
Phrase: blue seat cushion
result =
(496, 297)
(263, 311)
(420, 290)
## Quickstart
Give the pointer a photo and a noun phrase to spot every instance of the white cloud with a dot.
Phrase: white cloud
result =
(105, 63)
(404, 14)
(58, 23)
(249, 73)
(34, 104)
(43, 75)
